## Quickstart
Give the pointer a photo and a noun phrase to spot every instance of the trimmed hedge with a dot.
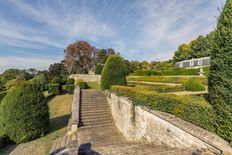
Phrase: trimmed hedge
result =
(171, 72)
(2, 95)
(192, 85)
(194, 109)
(40, 81)
(167, 79)
(82, 84)
(24, 113)
(114, 72)
(55, 89)
(56, 80)
(70, 88)
(70, 81)
(98, 69)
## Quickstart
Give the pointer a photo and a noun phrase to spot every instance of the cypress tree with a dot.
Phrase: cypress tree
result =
(114, 72)
(220, 77)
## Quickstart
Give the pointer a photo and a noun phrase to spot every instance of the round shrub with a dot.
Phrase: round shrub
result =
(98, 69)
(113, 72)
(40, 81)
(70, 81)
(24, 113)
(193, 85)
(56, 80)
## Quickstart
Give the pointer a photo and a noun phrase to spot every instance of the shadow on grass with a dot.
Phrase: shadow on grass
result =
(58, 122)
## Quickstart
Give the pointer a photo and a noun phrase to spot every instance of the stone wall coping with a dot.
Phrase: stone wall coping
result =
(200, 133)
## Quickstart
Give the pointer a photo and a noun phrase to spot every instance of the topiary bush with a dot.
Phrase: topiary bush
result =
(193, 85)
(55, 89)
(220, 76)
(56, 80)
(113, 72)
(24, 113)
(70, 89)
(40, 81)
(70, 81)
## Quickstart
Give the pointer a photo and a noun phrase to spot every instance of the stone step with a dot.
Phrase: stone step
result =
(87, 111)
(96, 116)
(94, 112)
(86, 119)
(90, 123)
(95, 106)
(96, 125)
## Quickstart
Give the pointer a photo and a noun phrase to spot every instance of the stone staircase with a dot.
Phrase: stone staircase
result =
(97, 133)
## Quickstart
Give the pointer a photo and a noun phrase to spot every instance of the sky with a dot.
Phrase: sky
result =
(34, 33)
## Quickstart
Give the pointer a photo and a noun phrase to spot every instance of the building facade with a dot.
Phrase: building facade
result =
(193, 63)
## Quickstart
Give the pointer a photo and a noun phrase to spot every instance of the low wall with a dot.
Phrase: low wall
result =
(141, 124)
(86, 77)
(74, 120)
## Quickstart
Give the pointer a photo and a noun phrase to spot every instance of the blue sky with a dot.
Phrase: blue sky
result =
(33, 33)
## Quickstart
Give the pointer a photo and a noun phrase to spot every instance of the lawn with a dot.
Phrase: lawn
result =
(93, 85)
(59, 108)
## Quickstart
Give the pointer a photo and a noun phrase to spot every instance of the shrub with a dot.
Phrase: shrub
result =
(55, 89)
(71, 88)
(82, 84)
(56, 80)
(70, 81)
(192, 85)
(113, 72)
(24, 113)
(98, 69)
(40, 81)
(220, 76)
(2, 95)
(166, 79)
(193, 109)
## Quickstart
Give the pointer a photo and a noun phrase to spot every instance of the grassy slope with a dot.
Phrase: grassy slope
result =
(59, 114)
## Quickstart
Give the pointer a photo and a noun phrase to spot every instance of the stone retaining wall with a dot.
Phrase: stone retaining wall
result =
(140, 124)
(86, 77)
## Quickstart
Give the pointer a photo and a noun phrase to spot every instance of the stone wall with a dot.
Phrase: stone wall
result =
(137, 123)
(87, 77)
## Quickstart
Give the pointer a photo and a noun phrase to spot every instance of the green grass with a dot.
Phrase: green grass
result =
(59, 108)
(94, 85)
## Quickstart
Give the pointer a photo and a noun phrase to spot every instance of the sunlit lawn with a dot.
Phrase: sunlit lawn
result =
(94, 85)
(59, 108)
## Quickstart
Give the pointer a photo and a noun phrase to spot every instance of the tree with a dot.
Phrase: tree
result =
(220, 76)
(104, 54)
(113, 72)
(40, 81)
(163, 65)
(57, 69)
(184, 52)
(24, 113)
(80, 57)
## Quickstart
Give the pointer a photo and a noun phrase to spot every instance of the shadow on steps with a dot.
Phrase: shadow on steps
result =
(85, 149)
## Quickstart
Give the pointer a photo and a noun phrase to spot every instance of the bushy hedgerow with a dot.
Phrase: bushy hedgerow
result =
(24, 113)
(2, 95)
(98, 69)
(166, 79)
(70, 88)
(190, 108)
(220, 76)
(55, 89)
(193, 85)
(82, 84)
(56, 80)
(114, 72)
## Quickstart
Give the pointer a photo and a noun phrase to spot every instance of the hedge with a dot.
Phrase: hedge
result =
(70, 88)
(56, 80)
(193, 109)
(171, 72)
(55, 89)
(2, 95)
(24, 113)
(192, 85)
(70, 81)
(167, 79)
(82, 84)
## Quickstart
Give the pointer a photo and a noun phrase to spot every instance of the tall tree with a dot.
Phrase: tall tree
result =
(57, 69)
(80, 57)
(184, 52)
(220, 77)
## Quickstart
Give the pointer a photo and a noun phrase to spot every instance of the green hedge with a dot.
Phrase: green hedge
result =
(192, 85)
(70, 81)
(167, 79)
(2, 95)
(82, 84)
(194, 109)
(56, 80)
(24, 113)
(171, 72)
(70, 88)
(55, 89)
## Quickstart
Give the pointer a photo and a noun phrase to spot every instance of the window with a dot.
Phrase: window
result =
(191, 63)
(200, 62)
(181, 64)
